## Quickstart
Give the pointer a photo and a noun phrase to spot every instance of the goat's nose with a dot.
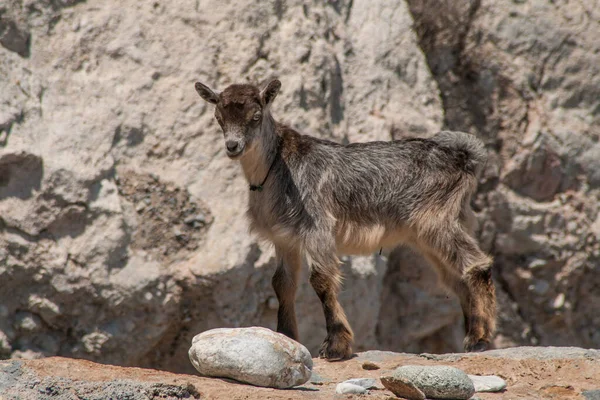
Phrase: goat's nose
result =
(231, 145)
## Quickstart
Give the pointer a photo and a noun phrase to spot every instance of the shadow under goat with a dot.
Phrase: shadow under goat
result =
(316, 198)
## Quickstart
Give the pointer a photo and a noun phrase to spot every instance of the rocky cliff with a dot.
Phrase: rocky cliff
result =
(122, 230)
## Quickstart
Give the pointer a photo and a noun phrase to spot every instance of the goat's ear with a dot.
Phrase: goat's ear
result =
(269, 93)
(206, 93)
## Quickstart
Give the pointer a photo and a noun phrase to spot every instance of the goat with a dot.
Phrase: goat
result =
(316, 198)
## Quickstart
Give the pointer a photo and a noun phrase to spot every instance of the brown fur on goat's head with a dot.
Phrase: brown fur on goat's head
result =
(240, 111)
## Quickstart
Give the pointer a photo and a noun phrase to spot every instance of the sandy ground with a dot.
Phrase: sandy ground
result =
(531, 373)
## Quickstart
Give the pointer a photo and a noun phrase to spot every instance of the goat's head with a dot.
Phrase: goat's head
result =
(240, 110)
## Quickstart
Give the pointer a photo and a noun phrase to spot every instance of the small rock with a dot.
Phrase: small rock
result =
(402, 387)
(487, 383)
(94, 341)
(45, 308)
(591, 394)
(254, 355)
(536, 263)
(439, 382)
(370, 366)
(5, 347)
(199, 218)
(177, 232)
(367, 383)
(349, 388)
(27, 322)
(559, 301)
(27, 354)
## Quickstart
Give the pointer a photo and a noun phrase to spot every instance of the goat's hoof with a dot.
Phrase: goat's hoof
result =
(335, 349)
(478, 346)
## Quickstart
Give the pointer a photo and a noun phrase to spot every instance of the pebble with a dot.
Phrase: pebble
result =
(177, 232)
(370, 366)
(356, 386)
(199, 218)
(257, 356)
(420, 382)
(591, 394)
(559, 301)
(402, 387)
(488, 383)
(349, 388)
(367, 383)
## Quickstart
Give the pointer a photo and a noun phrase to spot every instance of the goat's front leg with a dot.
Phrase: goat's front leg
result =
(285, 282)
(325, 278)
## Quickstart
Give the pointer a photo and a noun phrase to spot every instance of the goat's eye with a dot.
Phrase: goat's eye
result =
(256, 116)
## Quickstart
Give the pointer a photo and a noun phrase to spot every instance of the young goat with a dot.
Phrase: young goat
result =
(318, 198)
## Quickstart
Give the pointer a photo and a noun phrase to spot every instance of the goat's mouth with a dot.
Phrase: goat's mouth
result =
(234, 154)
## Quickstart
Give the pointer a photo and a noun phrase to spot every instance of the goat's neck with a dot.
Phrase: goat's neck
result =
(258, 159)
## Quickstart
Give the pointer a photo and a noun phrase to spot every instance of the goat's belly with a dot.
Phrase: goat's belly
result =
(361, 240)
(278, 234)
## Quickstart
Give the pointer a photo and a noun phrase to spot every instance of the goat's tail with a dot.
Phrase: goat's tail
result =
(470, 144)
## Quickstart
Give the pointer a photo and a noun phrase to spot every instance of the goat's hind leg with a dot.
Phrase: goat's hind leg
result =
(325, 278)
(467, 270)
(285, 282)
(482, 316)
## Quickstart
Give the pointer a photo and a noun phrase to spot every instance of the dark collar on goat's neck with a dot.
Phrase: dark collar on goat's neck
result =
(259, 188)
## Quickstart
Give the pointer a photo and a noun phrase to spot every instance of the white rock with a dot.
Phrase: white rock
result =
(349, 388)
(559, 301)
(254, 355)
(367, 383)
(488, 383)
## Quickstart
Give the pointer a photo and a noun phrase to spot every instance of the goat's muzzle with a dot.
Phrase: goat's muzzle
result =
(234, 148)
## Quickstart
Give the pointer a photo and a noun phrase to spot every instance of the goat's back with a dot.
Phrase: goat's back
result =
(377, 180)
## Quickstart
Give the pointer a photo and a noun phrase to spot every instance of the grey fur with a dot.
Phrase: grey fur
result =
(322, 198)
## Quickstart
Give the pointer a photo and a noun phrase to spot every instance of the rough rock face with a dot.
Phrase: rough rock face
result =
(524, 76)
(122, 226)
